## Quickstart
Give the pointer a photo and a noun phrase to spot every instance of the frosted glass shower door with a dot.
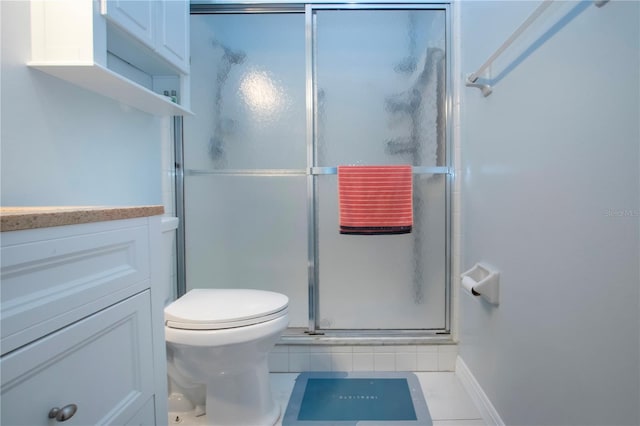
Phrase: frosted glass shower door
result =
(380, 99)
(245, 157)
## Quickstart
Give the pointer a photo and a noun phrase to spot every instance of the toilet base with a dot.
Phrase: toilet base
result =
(237, 398)
(242, 398)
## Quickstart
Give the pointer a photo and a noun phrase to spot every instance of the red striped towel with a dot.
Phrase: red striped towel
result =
(375, 200)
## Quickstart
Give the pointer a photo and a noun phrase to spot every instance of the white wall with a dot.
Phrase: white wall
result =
(551, 193)
(63, 145)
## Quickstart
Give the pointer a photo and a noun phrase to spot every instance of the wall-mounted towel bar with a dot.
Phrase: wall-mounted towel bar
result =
(472, 79)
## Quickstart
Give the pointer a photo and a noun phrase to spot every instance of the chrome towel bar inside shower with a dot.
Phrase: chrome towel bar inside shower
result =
(417, 170)
(315, 171)
(472, 79)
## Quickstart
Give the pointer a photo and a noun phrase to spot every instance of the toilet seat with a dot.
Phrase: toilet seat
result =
(215, 309)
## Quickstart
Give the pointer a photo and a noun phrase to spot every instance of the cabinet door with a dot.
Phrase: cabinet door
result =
(103, 364)
(172, 32)
(133, 16)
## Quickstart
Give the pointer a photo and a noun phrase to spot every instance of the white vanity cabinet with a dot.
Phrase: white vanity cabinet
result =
(129, 50)
(82, 325)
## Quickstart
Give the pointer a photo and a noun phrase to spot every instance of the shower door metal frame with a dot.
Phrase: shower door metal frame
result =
(312, 170)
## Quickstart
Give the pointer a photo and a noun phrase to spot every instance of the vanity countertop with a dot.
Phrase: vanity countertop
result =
(18, 218)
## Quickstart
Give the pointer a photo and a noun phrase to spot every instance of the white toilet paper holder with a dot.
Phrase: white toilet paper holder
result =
(482, 280)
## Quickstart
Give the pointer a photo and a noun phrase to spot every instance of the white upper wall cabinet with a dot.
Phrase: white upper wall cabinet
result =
(172, 38)
(132, 51)
(135, 17)
(162, 26)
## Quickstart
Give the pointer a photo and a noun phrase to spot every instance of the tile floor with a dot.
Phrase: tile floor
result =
(448, 402)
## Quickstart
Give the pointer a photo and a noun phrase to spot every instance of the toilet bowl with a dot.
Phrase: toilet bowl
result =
(218, 341)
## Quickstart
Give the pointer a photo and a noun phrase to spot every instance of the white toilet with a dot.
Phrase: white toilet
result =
(218, 341)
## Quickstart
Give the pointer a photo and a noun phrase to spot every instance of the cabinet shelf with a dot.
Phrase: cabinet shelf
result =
(102, 80)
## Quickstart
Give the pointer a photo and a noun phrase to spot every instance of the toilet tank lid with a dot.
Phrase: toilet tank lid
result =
(206, 308)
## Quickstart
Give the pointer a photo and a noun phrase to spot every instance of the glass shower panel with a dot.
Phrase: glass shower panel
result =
(249, 232)
(248, 92)
(384, 281)
(380, 95)
(247, 228)
(380, 99)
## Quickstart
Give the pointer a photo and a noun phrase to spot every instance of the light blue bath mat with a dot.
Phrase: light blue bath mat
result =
(356, 398)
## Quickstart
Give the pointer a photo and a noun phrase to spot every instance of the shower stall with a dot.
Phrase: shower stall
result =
(284, 94)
